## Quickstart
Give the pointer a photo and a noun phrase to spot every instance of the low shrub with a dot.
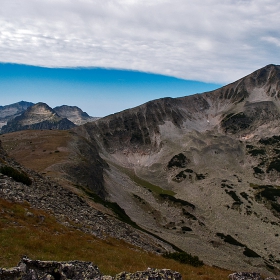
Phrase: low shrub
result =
(185, 258)
(16, 175)
(256, 152)
(179, 161)
(257, 170)
(250, 253)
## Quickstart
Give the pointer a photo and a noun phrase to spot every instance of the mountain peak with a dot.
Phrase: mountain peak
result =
(38, 116)
(74, 114)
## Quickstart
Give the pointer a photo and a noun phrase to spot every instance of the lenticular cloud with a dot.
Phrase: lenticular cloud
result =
(208, 40)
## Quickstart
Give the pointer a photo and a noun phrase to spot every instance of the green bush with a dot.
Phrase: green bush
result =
(185, 258)
(179, 160)
(250, 253)
(256, 152)
(16, 175)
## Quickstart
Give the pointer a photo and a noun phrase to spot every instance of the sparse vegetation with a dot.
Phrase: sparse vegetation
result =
(145, 184)
(111, 205)
(257, 170)
(184, 228)
(189, 215)
(249, 147)
(234, 196)
(270, 141)
(119, 212)
(269, 192)
(18, 176)
(235, 122)
(244, 195)
(177, 200)
(200, 176)
(229, 239)
(256, 152)
(250, 253)
(274, 165)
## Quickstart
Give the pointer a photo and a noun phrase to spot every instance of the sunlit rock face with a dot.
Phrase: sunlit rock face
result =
(38, 116)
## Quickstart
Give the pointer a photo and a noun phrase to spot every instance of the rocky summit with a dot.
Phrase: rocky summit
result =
(38, 116)
(16, 117)
(200, 172)
(73, 114)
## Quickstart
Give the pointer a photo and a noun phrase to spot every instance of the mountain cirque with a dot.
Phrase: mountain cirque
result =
(201, 171)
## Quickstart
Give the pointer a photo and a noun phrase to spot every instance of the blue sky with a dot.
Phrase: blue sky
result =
(97, 91)
(204, 43)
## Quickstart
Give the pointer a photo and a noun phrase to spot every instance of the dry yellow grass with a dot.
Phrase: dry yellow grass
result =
(37, 149)
(23, 231)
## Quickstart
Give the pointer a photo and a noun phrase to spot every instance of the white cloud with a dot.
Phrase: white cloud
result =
(207, 40)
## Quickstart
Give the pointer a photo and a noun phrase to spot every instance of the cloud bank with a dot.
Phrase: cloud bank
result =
(209, 40)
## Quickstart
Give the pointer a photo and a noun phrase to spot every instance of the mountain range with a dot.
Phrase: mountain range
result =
(27, 115)
(200, 172)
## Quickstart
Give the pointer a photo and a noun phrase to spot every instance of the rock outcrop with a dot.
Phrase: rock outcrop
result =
(74, 114)
(76, 270)
(248, 276)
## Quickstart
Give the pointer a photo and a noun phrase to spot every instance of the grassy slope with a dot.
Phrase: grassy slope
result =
(23, 232)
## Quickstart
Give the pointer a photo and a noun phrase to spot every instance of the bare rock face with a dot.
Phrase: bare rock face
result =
(74, 114)
(77, 270)
(38, 116)
(11, 111)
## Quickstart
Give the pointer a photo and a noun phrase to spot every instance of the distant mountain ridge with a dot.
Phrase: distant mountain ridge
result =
(26, 115)
(13, 110)
(74, 114)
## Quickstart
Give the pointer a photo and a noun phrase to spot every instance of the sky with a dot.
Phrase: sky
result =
(158, 43)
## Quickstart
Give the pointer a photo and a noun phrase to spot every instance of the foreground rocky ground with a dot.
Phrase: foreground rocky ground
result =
(76, 270)
(28, 269)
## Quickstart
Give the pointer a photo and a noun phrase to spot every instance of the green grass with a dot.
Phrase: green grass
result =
(143, 183)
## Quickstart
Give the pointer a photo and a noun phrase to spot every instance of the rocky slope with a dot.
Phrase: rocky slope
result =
(9, 112)
(23, 185)
(74, 114)
(38, 116)
(202, 171)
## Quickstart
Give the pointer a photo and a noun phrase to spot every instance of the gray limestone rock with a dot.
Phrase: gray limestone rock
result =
(77, 270)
